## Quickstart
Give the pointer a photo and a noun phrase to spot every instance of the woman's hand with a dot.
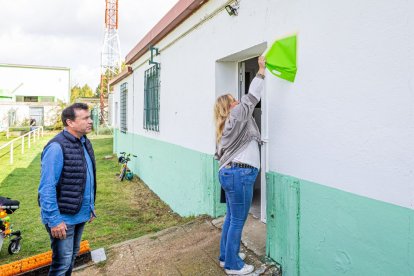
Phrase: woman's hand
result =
(262, 65)
(262, 62)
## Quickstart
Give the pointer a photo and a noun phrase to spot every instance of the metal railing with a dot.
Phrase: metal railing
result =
(30, 136)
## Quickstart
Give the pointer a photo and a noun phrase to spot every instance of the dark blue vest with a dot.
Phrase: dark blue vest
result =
(72, 181)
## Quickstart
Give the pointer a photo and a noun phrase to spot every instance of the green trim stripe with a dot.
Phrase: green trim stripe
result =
(317, 230)
(311, 229)
(185, 179)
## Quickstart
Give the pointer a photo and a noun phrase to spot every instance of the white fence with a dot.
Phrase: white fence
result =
(28, 137)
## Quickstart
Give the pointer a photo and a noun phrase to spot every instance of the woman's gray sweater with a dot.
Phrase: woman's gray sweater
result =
(240, 128)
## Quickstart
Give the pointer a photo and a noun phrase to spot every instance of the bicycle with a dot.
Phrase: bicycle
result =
(125, 171)
(8, 207)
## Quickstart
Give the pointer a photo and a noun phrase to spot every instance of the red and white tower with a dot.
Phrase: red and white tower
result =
(111, 49)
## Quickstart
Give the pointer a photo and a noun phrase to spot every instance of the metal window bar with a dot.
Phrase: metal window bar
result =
(152, 98)
(123, 109)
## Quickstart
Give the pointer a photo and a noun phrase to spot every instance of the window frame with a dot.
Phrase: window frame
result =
(151, 118)
(123, 107)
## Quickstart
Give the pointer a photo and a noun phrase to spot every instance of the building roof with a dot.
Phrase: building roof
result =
(124, 73)
(178, 14)
(34, 66)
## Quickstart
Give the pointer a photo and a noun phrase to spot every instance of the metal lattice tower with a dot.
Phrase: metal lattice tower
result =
(111, 49)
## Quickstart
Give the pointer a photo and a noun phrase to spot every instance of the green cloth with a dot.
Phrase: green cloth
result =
(281, 58)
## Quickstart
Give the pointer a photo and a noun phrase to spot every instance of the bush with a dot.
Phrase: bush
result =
(58, 125)
(49, 128)
(104, 130)
(25, 122)
(22, 128)
(57, 116)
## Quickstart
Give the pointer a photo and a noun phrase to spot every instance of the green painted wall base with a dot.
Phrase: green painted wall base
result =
(185, 179)
(311, 229)
(316, 230)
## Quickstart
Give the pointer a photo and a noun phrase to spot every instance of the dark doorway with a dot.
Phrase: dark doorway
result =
(247, 71)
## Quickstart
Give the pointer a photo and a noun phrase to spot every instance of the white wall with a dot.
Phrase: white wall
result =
(111, 107)
(117, 101)
(36, 81)
(347, 122)
(188, 80)
(50, 111)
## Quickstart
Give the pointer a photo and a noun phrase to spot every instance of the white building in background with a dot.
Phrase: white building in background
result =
(337, 184)
(32, 92)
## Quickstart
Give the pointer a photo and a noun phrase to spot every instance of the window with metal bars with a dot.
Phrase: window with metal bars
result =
(123, 107)
(152, 98)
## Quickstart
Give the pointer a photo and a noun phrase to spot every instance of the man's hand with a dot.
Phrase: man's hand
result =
(59, 231)
(93, 216)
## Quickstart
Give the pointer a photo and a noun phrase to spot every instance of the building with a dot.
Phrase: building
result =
(31, 92)
(336, 188)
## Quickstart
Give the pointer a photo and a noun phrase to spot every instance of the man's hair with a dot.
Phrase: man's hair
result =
(69, 112)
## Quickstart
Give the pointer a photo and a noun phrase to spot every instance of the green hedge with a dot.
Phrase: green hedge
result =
(11, 129)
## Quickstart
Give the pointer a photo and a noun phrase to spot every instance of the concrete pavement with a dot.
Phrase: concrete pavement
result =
(190, 249)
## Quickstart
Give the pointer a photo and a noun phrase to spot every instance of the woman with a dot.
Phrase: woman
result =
(32, 124)
(238, 139)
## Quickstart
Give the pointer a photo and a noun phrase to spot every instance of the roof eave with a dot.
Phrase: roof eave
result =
(178, 14)
(125, 73)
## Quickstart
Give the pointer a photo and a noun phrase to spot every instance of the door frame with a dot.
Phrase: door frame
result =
(264, 134)
(40, 122)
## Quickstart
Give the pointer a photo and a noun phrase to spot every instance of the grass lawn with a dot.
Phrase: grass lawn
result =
(125, 210)
(4, 140)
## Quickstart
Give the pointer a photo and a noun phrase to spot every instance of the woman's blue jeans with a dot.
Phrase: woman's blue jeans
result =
(64, 252)
(238, 185)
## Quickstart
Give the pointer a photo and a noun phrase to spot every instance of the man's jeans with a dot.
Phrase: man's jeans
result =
(65, 251)
(238, 184)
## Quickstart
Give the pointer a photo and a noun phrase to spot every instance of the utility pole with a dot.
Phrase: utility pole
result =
(111, 51)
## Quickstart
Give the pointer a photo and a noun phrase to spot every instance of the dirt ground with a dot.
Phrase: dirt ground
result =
(190, 249)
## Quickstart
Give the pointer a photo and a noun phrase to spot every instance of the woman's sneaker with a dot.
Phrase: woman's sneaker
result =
(246, 269)
(241, 255)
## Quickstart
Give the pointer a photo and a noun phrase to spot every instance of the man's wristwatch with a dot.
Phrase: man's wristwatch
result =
(260, 76)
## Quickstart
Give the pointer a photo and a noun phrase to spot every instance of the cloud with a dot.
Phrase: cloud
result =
(82, 72)
(70, 33)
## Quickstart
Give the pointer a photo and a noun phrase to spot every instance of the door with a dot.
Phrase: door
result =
(37, 114)
(12, 117)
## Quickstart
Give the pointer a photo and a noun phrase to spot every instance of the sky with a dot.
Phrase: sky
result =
(69, 33)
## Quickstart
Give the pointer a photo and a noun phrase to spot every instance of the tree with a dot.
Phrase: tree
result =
(58, 124)
(105, 79)
(87, 91)
(102, 89)
(75, 93)
(81, 92)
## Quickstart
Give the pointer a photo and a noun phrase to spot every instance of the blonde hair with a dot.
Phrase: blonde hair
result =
(221, 112)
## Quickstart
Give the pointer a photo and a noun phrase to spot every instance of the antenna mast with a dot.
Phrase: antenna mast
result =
(111, 50)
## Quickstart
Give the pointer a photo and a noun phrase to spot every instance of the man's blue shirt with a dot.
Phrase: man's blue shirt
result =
(52, 165)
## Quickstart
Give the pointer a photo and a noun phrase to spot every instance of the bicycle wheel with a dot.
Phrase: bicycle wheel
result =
(14, 247)
(123, 172)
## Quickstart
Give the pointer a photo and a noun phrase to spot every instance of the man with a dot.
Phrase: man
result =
(67, 187)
